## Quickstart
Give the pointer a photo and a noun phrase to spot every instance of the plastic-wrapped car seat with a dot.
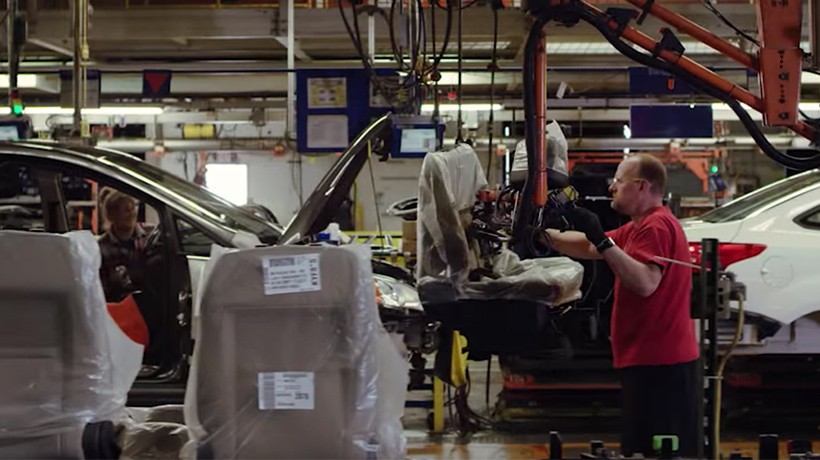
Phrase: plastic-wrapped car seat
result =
(287, 361)
(557, 159)
(59, 388)
(515, 299)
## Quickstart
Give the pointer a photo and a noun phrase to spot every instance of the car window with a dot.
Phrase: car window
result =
(83, 197)
(812, 220)
(20, 204)
(232, 215)
(761, 198)
(192, 240)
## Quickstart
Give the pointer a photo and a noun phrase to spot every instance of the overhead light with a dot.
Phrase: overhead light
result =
(802, 106)
(627, 133)
(124, 110)
(24, 80)
(464, 107)
(808, 78)
(111, 110)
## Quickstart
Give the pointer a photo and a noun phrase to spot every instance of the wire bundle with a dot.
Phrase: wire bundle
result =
(406, 92)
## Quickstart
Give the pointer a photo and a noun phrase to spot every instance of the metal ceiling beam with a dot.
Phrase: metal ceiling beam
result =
(51, 46)
(297, 49)
(168, 23)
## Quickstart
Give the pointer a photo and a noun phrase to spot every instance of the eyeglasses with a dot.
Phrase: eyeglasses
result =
(620, 180)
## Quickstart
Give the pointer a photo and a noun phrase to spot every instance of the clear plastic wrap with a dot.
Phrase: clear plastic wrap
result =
(289, 357)
(447, 191)
(552, 280)
(557, 154)
(65, 361)
(153, 440)
(446, 256)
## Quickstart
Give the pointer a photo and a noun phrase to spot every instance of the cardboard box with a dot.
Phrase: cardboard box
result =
(408, 236)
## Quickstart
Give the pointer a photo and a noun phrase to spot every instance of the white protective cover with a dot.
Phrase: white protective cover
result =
(255, 331)
(557, 154)
(448, 186)
(65, 361)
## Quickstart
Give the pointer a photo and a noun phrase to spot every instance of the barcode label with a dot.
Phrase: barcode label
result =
(286, 391)
(289, 274)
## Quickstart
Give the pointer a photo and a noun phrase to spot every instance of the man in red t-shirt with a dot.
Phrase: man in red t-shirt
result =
(653, 337)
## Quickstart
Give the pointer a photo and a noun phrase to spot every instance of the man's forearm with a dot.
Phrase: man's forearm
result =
(638, 277)
(573, 244)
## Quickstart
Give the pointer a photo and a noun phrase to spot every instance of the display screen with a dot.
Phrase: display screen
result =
(9, 133)
(418, 140)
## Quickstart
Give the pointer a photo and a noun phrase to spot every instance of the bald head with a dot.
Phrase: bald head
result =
(650, 169)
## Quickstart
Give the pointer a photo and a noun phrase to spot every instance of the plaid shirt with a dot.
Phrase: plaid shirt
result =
(123, 264)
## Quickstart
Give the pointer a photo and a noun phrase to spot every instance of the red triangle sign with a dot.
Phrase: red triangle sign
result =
(156, 83)
(156, 80)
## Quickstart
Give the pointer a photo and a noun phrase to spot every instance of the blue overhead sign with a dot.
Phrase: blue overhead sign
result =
(680, 121)
(645, 80)
(332, 107)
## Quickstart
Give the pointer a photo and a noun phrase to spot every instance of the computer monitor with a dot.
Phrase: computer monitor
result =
(14, 128)
(9, 133)
(414, 139)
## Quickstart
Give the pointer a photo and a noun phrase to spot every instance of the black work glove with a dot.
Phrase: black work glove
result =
(537, 240)
(587, 222)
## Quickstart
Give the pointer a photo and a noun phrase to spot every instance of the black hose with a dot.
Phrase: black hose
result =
(523, 215)
(807, 159)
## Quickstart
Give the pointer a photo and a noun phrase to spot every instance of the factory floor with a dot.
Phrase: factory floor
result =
(489, 444)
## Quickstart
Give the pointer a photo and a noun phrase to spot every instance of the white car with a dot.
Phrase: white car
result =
(770, 239)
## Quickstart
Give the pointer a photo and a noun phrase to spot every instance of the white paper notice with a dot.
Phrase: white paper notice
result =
(286, 391)
(327, 131)
(289, 274)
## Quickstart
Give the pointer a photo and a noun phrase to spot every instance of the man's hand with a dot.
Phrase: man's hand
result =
(587, 222)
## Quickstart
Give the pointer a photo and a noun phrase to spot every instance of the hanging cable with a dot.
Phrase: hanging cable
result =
(436, 76)
(407, 92)
(807, 117)
(709, 6)
(805, 158)
(524, 213)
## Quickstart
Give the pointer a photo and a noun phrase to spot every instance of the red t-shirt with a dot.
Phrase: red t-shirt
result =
(654, 330)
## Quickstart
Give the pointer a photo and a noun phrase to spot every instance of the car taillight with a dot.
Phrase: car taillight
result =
(728, 253)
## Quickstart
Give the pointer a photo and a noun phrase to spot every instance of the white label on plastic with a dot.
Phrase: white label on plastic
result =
(289, 274)
(286, 391)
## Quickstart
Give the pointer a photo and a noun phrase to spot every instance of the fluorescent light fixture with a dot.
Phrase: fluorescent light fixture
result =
(464, 107)
(500, 45)
(24, 80)
(808, 78)
(111, 110)
(804, 106)
(604, 48)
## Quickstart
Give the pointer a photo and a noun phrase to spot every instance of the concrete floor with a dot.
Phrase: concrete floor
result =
(503, 445)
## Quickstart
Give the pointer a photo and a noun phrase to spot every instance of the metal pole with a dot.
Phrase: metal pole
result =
(371, 35)
(291, 72)
(460, 123)
(814, 32)
(290, 123)
(77, 73)
(541, 185)
(13, 55)
(709, 286)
